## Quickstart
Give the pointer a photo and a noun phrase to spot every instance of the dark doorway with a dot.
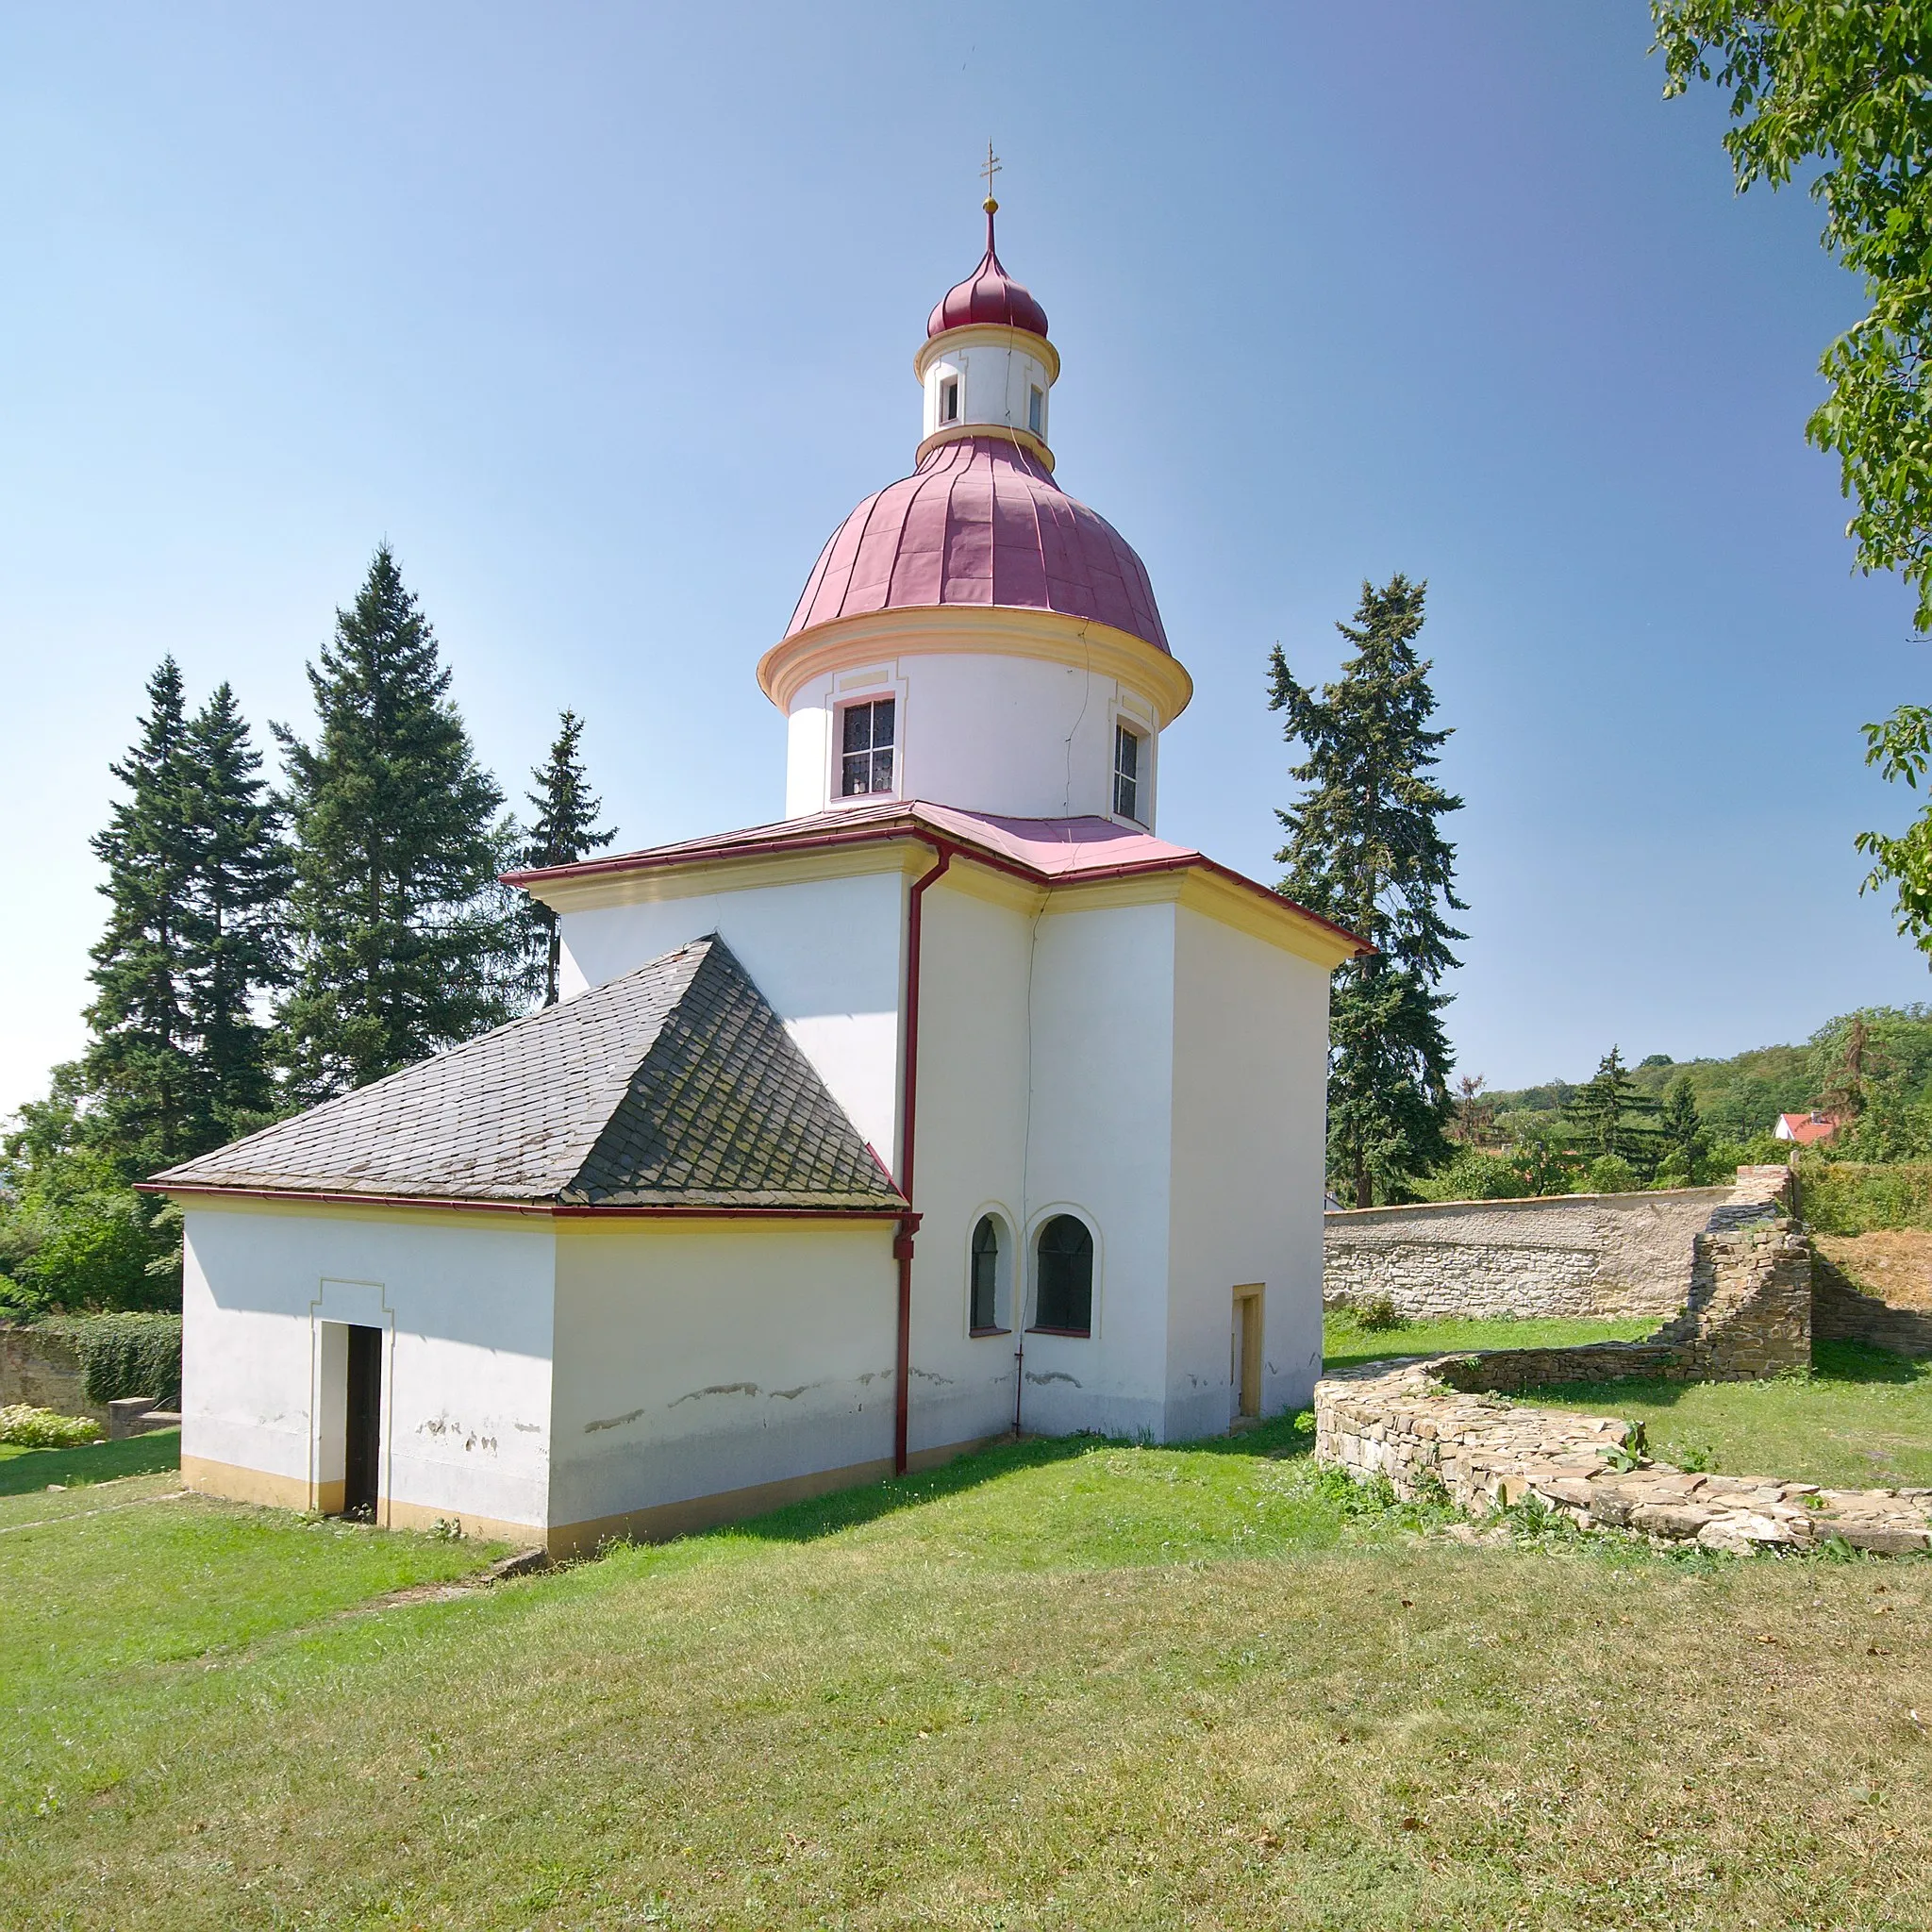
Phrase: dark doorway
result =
(362, 1444)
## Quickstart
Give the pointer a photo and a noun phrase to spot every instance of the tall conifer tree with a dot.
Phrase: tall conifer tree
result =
(565, 831)
(1680, 1128)
(1612, 1115)
(234, 944)
(402, 942)
(137, 1074)
(1365, 849)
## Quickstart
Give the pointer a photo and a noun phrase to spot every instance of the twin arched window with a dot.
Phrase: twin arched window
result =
(1063, 1274)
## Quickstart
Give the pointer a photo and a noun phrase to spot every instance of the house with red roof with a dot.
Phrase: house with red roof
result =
(957, 1101)
(1806, 1129)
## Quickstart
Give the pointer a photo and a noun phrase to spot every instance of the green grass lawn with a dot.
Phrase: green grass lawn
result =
(1345, 1341)
(1066, 1685)
(25, 1469)
(1862, 1421)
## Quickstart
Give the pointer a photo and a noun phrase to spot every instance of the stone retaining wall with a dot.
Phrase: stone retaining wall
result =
(1401, 1422)
(44, 1372)
(1841, 1313)
(1589, 1256)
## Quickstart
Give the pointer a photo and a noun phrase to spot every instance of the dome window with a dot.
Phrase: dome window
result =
(866, 759)
(1036, 409)
(1126, 775)
(949, 399)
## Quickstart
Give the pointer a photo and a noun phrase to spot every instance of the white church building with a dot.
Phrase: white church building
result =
(957, 1101)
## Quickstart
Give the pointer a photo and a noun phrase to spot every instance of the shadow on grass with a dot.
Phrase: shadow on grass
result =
(803, 1523)
(25, 1469)
(1831, 1362)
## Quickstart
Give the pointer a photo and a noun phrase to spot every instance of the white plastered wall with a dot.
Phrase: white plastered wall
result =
(827, 953)
(1099, 1146)
(1019, 736)
(1251, 1042)
(994, 380)
(695, 1361)
(464, 1302)
(972, 1078)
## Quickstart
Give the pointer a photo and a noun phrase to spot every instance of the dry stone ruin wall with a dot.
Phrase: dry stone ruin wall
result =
(1401, 1422)
(1589, 1256)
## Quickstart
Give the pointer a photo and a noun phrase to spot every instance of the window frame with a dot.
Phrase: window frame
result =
(953, 390)
(1064, 1211)
(1138, 778)
(1036, 410)
(892, 748)
(995, 1216)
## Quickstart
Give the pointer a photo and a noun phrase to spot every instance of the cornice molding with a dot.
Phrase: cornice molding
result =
(991, 630)
(965, 432)
(985, 335)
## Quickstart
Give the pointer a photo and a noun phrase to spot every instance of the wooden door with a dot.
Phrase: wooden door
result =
(363, 1442)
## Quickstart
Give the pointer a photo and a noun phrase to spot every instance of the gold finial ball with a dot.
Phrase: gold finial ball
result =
(991, 206)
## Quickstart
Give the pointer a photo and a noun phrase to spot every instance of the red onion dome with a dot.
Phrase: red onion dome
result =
(988, 295)
(981, 522)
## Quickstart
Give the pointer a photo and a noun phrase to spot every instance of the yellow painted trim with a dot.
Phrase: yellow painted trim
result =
(1111, 895)
(976, 881)
(665, 1521)
(1275, 921)
(486, 1529)
(985, 335)
(999, 630)
(734, 1228)
(965, 432)
(721, 873)
(234, 1483)
(536, 1218)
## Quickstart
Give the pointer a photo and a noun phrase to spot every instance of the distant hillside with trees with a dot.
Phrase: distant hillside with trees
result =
(1736, 1098)
(1666, 1123)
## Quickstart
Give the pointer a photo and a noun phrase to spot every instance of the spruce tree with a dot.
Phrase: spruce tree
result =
(137, 1074)
(1365, 849)
(565, 831)
(1611, 1115)
(232, 929)
(404, 944)
(1680, 1129)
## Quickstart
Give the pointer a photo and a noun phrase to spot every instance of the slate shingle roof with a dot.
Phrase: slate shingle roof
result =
(674, 1086)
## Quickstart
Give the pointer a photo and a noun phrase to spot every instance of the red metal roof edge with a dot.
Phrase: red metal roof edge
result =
(908, 824)
(561, 1210)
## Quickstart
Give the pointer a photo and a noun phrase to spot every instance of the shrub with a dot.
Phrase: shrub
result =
(39, 1428)
(1853, 1197)
(1477, 1177)
(1379, 1314)
(124, 1355)
(1610, 1173)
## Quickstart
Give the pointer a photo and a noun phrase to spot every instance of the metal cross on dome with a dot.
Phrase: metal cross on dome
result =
(991, 168)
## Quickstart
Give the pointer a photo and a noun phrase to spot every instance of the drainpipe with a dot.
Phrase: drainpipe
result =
(908, 1111)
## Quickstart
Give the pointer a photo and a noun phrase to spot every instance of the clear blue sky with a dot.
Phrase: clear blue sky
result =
(603, 315)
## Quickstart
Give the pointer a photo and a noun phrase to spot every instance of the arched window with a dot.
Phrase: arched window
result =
(983, 1316)
(1063, 1303)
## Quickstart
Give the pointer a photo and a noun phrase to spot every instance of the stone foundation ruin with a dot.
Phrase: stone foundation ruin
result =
(1443, 1425)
